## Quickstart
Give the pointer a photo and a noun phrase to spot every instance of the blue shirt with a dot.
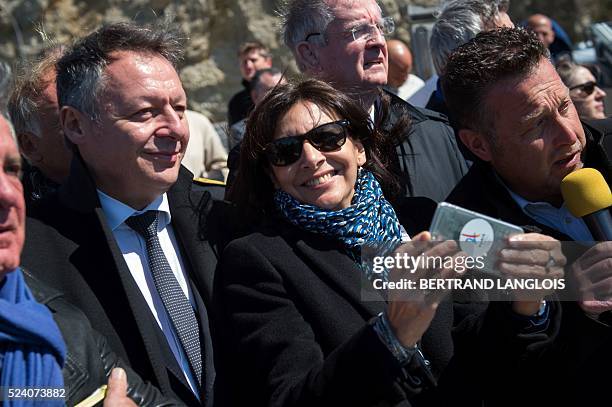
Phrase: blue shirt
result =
(556, 218)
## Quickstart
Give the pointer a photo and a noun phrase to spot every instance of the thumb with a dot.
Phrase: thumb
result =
(117, 387)
(423, 236)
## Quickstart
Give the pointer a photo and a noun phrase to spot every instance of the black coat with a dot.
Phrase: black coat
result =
(240, 105)
(296, 331)
(70, 248)
(89, 360)
(429, 161)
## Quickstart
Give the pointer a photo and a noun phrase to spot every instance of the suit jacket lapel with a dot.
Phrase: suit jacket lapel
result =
(189, 209)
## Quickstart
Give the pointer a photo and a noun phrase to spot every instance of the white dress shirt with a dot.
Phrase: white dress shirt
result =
(134, 250)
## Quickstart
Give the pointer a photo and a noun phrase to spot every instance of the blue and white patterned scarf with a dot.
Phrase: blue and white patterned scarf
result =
(370, 218)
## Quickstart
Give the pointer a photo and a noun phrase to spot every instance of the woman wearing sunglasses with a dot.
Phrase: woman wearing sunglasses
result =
(584, 92)
(294, 328)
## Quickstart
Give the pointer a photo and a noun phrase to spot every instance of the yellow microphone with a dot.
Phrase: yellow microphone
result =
(588, 196)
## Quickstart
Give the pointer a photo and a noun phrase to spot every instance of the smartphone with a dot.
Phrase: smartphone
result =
(478, 235)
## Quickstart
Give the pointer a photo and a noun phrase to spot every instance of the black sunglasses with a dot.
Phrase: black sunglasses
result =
(325, 138)
(587, 87)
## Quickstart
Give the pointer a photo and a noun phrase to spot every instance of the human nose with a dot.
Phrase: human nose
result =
(174, 124)
(599, 93)
(311, 157)
(564, 132)
(376, 36)
(9, 194)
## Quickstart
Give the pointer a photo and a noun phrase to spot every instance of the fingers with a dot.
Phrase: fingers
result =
(601, 290)
(535, 257)
(530, 240)
(595, 254)
(423, 236)
(117, 388)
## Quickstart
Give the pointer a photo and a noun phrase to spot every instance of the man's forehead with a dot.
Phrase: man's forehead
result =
(253, 53)
(7, 140)
(529, 95)
(348, 10)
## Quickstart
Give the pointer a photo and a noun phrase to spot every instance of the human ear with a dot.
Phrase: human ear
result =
(28, 146)
(307, 56)
(360, 153)
(477, 143)
(73, 124)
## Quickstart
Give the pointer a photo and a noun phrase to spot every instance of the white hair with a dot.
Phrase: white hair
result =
(458, 22)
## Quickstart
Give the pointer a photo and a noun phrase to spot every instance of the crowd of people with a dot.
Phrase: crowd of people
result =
(125, 274)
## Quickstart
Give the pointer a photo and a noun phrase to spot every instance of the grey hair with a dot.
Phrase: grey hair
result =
(458, 22)
(25, 97)
(80, 72)
(4, 116)
(302, 17)
(256, 80)
(5, 80)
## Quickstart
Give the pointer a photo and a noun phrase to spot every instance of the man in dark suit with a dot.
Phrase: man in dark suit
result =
(343, 43)
(124, 236)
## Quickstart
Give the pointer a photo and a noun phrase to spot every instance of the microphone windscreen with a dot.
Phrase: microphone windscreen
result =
(585, 191)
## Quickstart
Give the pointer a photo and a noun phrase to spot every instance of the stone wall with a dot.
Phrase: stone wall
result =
(215, 29)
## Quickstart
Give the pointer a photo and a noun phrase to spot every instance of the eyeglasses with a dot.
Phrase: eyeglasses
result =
(325, 138)
(366, 32)
(587, 87)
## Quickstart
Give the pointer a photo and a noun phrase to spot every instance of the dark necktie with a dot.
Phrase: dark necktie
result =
(176, 303)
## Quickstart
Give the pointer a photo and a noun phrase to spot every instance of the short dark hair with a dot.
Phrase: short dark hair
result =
(477, 66)
(80, 77)
(253, 190)
(247, 47)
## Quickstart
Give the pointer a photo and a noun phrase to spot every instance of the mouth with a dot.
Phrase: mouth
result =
(374, 62)
(319, 180)
(170, 156)
(570, 160)
(5, 232)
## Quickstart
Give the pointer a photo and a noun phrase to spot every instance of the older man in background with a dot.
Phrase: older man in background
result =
(34, 111)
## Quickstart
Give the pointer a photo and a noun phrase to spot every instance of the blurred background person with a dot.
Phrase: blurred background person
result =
(252, 57)
(262, 82)
(205, 156)
(400, 80)
(584, 92)
(551, 34)
(458, 22)
(34, 111)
